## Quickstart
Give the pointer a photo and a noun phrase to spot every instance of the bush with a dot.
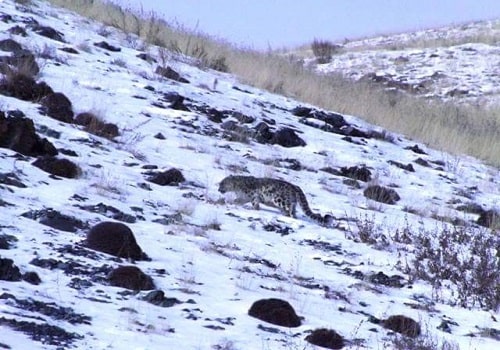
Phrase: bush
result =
(323, 50)
(464, 258)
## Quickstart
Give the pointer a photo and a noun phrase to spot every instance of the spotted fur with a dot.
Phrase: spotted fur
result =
(273, 192)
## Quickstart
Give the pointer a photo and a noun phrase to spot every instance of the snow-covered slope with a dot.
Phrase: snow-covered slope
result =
(212, 257)
(459, 63)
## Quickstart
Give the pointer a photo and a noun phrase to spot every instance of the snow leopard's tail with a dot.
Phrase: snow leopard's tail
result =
(326, 220)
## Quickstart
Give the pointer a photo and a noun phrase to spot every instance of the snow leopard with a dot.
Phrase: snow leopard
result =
(273, 192)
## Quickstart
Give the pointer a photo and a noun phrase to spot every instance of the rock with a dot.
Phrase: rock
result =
(416, 149)
(32, 278)
(171, 177)
(489, 219)
(169, 73)
(361, 173)
(130, 277)
(275, 311)
(23, 87)
(18, 134)
(157, 297)
(287, 137)
(53, 218)
(57, 166)
(10, 45)
(326, 338)
(176, 101)
(104, 45)
(96, 126)
(116, 239)
(49, 32)
(57, 106)
(407, 167)
(9, 271)
(21, 61)
(381, 194)
(403, 325)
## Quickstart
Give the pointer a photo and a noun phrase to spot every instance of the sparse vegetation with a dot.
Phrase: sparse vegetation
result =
(456, 129)
(462, 263)
(463, 257)
(323, 50)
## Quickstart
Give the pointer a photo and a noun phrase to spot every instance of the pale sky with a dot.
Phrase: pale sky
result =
(260, 24)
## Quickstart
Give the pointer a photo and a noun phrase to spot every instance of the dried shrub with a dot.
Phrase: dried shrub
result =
(463, 259)
(323, 50)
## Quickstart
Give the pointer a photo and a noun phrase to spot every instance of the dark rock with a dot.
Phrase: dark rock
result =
(104, 45)
(176, 101)
(20, 62)
(275, 311)
(157, 297)
(282, 229)
(18, 30)
(160, 136)
(110, 212)
(32, 278)
(407, 167)
(444, 326)
(18, 134)
(489, 219)
(116, 239)
(242, 118)
(130, 277)
(6, 241)
(301, 111)
(381, 194)
(42, 332)
(472, 208)
(9, 271)
(48, 309)
(334, 122)
(10, 45)
(95, 126)
(287, 137)
(146, 57)
(49, 32)
(68, 152)
(263, 133)
(403, 325)
(57, 106)
(57, 166)
(56, 220)
(23, 87)
(169, 73)
(69, 50)
(422, 162)
(326, 338)
(6, 18)
(11, 179)
(215, 115)
(416, 149)
(361, 173)
(385, 280)
(171, 177)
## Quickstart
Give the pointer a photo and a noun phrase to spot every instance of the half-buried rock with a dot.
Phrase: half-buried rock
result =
(116, 239)
(130, 277)
(275, 311)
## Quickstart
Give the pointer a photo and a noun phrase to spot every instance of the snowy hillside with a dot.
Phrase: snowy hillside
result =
(459, 63)
(129, 134)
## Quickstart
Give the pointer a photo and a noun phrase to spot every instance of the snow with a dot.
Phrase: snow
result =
(461, 71)
(216, 273)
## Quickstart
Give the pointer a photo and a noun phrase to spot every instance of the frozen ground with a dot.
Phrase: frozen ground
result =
(215, 257)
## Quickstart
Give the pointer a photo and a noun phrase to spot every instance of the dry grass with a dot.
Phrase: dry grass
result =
(458, 130)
